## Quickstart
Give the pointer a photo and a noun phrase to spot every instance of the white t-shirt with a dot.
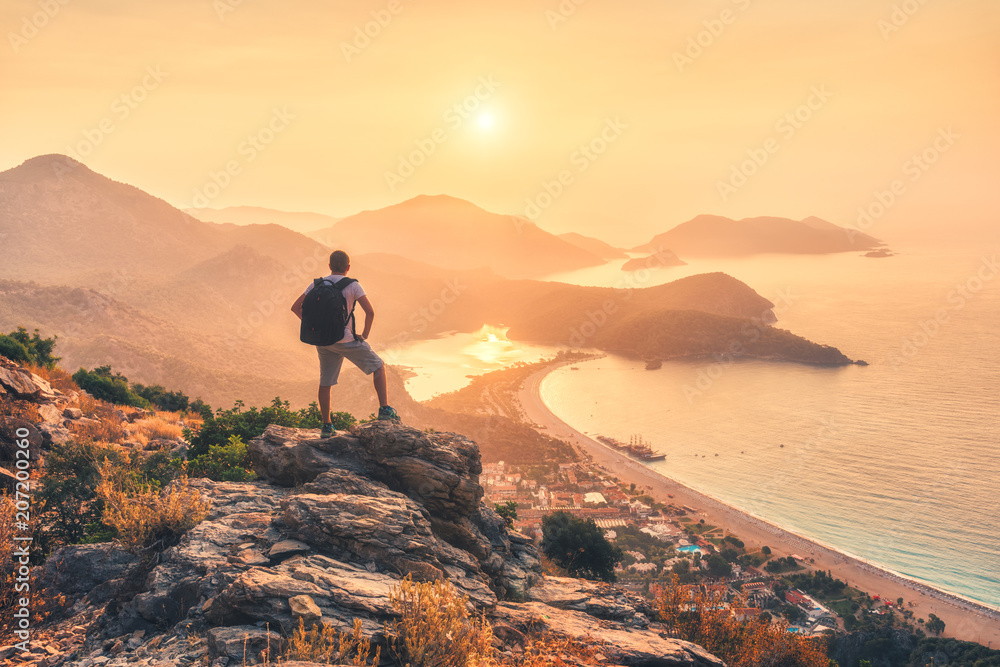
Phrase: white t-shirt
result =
(352, 293)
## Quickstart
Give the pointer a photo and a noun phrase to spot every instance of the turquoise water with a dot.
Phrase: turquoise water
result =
(689, 549)
(896, 462)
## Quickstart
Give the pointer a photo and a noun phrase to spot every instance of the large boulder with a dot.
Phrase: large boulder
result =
(92, 570)
(438, 470)
(24, 384)
(596, 598)
(620, 645)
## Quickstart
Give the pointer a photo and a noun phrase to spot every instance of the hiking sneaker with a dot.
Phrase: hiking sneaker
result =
(326, 431)
(387, 413)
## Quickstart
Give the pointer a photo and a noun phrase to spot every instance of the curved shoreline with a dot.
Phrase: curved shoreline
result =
(964, 618)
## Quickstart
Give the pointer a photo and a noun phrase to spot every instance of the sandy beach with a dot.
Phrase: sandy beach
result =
(964, 619)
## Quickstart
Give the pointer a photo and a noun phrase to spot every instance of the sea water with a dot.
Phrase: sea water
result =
(896, 462)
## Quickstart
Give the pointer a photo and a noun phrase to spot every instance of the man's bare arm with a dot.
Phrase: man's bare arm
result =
(297, 306)
(366, 306)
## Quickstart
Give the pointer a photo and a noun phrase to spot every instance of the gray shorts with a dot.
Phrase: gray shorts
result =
(331, 358)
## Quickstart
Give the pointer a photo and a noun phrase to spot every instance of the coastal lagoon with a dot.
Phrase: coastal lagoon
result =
(895, 462)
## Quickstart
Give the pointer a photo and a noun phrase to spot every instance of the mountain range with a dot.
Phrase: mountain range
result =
(123, 278)
(456, 234)
(717, 236)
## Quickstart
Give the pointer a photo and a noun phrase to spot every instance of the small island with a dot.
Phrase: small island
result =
(657, 260)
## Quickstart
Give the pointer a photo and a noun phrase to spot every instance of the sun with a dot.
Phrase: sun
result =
(486, 121)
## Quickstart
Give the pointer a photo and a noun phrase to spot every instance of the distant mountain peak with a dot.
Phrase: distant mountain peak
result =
(454, 233)
(443, 203)
(44, 166)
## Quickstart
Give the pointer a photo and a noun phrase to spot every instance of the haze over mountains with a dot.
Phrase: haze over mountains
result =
(256, 215)
(123, 278)
(456, 234)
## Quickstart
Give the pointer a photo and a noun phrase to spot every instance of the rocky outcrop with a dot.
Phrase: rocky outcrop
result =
(597, 599)
(23, 384)
(620, 645)
(325, 537)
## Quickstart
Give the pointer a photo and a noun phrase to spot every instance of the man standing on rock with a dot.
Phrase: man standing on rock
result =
(351, 345)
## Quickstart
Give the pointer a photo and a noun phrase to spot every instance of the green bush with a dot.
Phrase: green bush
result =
(507, 512)
(111, 387)
(14, 350)
(248, 424)
(224, 463)
(33, 349)
(719, 566)
(201, 407)
(69, 508)
(171, 401)
(579, 546)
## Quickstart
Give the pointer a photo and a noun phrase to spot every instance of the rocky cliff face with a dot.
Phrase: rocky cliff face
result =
(329, 532)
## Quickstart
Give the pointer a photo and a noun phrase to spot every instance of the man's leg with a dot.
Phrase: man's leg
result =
(379, 379)
(324, 402)
(329, 372)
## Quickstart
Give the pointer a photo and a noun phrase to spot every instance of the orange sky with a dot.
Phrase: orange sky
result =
(200, 77)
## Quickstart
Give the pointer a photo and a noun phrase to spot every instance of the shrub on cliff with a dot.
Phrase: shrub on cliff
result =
(217, 429)
(14, 350)
(170, 401)
(435, 628)
(579, 547)
(706, 619)
(108, 386)
(69, 509)
(224, 463)
(141, 515)
(33, 349)
(328, 646)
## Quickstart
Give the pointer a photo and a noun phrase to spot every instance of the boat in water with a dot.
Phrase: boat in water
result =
(636, 448)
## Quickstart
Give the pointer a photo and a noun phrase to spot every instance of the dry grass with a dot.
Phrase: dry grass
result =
(57, 377)
(142, 517)
(548, 650)
(435, 628)
(26, 410)
(169, 417)
(107, 429)
(706, 619)
(325, 645)
(153, 428)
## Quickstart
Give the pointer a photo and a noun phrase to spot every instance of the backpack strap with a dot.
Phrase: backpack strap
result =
(341, 285)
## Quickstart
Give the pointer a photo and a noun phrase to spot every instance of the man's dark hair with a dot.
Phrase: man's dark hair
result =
(339, 261)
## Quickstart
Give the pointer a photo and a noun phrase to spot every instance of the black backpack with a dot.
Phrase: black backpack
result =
(324, 312)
